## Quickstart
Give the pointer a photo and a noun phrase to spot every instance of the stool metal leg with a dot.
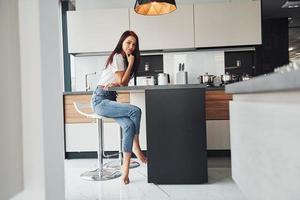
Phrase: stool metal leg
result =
(118, 164)
(100, 174)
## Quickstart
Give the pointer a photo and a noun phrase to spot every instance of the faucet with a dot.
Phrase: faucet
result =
(87, 86)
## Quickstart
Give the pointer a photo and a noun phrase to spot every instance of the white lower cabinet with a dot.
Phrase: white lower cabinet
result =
(83, 137)
(138, 99)
(218, 134)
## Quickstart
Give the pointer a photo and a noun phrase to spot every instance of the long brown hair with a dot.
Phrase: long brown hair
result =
(118, 49)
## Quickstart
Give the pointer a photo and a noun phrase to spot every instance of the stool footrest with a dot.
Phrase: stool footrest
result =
(104, 174)
(117, 164)
(110, 155)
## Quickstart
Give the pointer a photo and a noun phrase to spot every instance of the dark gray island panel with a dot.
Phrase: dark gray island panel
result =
(176, 133)
(176, 136)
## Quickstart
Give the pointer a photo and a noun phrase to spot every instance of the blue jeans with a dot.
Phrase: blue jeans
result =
(126, 115)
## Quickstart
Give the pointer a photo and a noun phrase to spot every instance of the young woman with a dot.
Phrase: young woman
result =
(120, 66)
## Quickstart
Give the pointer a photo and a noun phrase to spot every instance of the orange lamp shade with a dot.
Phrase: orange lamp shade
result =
(154, 7)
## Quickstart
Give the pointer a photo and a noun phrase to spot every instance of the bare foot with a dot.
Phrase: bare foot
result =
(125, 180)
(137, 149)
(125, 167)
(139, 154)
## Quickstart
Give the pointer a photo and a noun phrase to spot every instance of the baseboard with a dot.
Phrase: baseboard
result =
(93, 154)
(81, 155)
(219, 153)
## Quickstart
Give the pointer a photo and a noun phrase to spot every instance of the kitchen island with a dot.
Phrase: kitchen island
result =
(80, 132)
(264, 128)
(176, 132)
(79, 144)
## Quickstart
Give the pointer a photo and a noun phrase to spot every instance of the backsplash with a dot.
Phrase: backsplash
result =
(196, 63)
(240, 62)
(150, 64)
(80, 66)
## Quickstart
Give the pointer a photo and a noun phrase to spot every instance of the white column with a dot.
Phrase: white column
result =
(35, 74)
(11, 170)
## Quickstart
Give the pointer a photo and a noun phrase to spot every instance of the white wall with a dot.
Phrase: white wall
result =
(11, 167)
(32, 99)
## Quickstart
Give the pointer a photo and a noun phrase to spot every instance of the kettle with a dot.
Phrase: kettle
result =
(163, 79)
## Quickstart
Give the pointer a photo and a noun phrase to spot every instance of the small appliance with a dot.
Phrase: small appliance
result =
(145, 80)
(163, 79)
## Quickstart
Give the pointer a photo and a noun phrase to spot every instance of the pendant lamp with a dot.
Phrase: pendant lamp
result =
(154, 7)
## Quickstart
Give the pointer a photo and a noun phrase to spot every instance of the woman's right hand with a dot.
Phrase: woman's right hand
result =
(130, 59)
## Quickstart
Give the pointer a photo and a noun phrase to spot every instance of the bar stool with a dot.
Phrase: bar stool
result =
(111, 169)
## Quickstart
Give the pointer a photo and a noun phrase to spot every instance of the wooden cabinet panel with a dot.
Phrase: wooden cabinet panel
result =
(217, 95)
(72, 116)
(217, 105)
(123, 97)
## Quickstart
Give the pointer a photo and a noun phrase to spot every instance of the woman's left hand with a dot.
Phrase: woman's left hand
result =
(111, 85)
(130, 59)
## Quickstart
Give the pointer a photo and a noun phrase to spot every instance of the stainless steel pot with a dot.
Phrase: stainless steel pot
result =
(200, 79)
(235, 78)
(217, 81)
(245, 77)
(226, 78)
(206, 78)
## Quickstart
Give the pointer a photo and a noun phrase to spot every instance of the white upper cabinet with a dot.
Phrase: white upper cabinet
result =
(227, 24)
(170, 31)
(96, 30)
(216, 24)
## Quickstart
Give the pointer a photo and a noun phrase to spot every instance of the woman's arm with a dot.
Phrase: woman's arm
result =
(123, 77)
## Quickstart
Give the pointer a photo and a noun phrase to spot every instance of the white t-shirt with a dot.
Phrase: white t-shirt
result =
(108, 75)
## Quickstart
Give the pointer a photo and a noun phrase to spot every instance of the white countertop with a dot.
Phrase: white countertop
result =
(267, 83)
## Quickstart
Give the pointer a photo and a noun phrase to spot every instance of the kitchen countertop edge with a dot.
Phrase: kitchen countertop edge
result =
(272, 82)
(156, 87)
(142, 88)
